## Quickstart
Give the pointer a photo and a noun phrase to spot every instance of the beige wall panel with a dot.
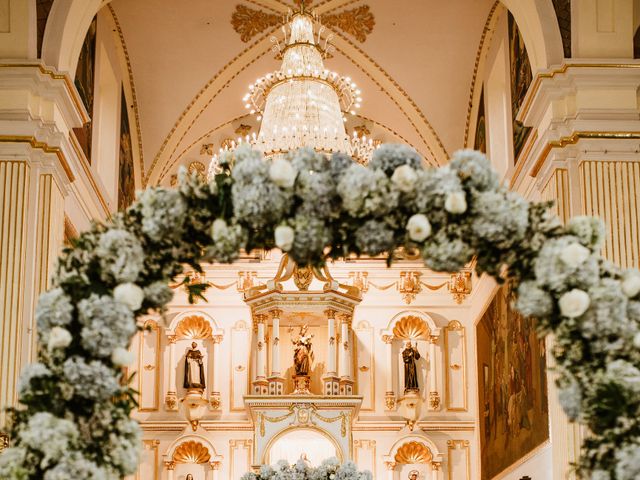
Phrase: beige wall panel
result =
(458, 460)
(149, 461)
(365, 364)
(14, 179)
(240, 342)
(611, 190)
(455, 367)
(365, 455)
(149, 367)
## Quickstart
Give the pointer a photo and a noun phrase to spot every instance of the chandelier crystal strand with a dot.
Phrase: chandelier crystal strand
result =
(302, 104)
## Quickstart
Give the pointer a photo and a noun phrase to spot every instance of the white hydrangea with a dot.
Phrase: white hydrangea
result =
(574, 303)
(158, 293)
(533, 301)
(73, 466)
(54, 309)
(12, 464)
(365, 192)
(227, 241)
(389, 156)
(628, 462)
(122, 357)
(282, 173)
(625, 374)
(404, 178)
(121, 256)
(374, 237)
(129, 294)
(93, 380)
(124, 445)
(30, 372)
(163, 213)
(590, 231)
(59, 338)
(50, 435)
(284, 236)
(570, 398)
(552, 272)
(475, 169)
(500, 218)
(574, 255)
(418, 227)
(107, 324)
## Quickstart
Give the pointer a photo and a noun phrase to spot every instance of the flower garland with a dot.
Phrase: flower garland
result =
(329, 469)
(73, 419)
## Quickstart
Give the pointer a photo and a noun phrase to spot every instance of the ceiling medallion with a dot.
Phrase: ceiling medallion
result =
(191, 452)
(413, 452)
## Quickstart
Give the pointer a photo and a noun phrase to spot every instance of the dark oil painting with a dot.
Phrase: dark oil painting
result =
(85, 81)
(126, 178)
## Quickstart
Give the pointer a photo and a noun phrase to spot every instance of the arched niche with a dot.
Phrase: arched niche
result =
(414, 452)
(193, 454)
(291, 443)
(185, 329)
(420, 329)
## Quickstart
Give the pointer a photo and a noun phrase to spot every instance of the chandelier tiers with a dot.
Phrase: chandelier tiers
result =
(302, 103)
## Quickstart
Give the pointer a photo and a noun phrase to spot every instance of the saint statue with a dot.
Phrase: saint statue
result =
(189, 477)
(413, 475)
(409, 356)
(193, 368)
(302, 354)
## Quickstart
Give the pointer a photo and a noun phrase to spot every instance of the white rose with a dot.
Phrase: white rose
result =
(574, 255)
(404, 177)
(282, 173)
(456, 202)
(631, 283)
(59, 338)
(284, 236)
(129, 294)
(122, 357)
(574, 303)
(418, 227)
(218, 229)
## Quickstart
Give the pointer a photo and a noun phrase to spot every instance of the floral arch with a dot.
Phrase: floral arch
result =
(74, 415)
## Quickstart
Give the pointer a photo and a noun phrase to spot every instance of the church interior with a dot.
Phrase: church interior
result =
(408, 372)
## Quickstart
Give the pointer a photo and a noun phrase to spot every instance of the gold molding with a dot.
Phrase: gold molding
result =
(45, 147)
(249, 22)
(134, 96)
(357, 22)
(455, 326)
(575, 137)
(194, 327)
(149, 327)
(56, 76)
(411, 327)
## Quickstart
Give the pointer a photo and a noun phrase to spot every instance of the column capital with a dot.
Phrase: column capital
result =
(436, 466)
(433, 339)
(259, 318)
(390, 465)
(275, 313)
(172, 338)
(346, 318)
(330, 313)
(170, 465)
(217, 338)
(387, 339)
(214, 465)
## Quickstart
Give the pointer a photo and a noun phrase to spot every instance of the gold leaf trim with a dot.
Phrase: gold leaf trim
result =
(411, 328)
(413, 452)
(191, 452)
(357, 22)
(194, 327)
(249, 22)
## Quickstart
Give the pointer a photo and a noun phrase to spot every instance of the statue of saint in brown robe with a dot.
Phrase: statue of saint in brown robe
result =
(302, 354)
(409, 356)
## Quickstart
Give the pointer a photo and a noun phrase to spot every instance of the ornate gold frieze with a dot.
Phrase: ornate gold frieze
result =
(357, 22)
(460, 285)
(249, 22)
(413, 452)
(191, 452)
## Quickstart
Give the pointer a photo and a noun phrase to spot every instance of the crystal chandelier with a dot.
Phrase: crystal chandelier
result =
(303, 104)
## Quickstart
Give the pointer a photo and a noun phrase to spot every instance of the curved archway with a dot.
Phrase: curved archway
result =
(291, 444)
(538, 24)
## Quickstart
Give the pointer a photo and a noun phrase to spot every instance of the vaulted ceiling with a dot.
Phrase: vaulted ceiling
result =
(413, 60)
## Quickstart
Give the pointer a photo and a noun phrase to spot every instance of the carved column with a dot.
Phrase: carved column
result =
(260, 384)
(346, 382)
(170, 466)
(214, 395)
(389, 395)
(331, 380)
(390, 468)
(171, 398)
(434, 396)
(276, 382)
(435, 470)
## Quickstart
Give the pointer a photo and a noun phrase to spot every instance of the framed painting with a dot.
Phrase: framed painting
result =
(85, 82)
(126, 178)
(521, 78)
(480, 141)
(512, 399)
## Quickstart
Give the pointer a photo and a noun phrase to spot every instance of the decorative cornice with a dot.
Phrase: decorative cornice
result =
(45, 147)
